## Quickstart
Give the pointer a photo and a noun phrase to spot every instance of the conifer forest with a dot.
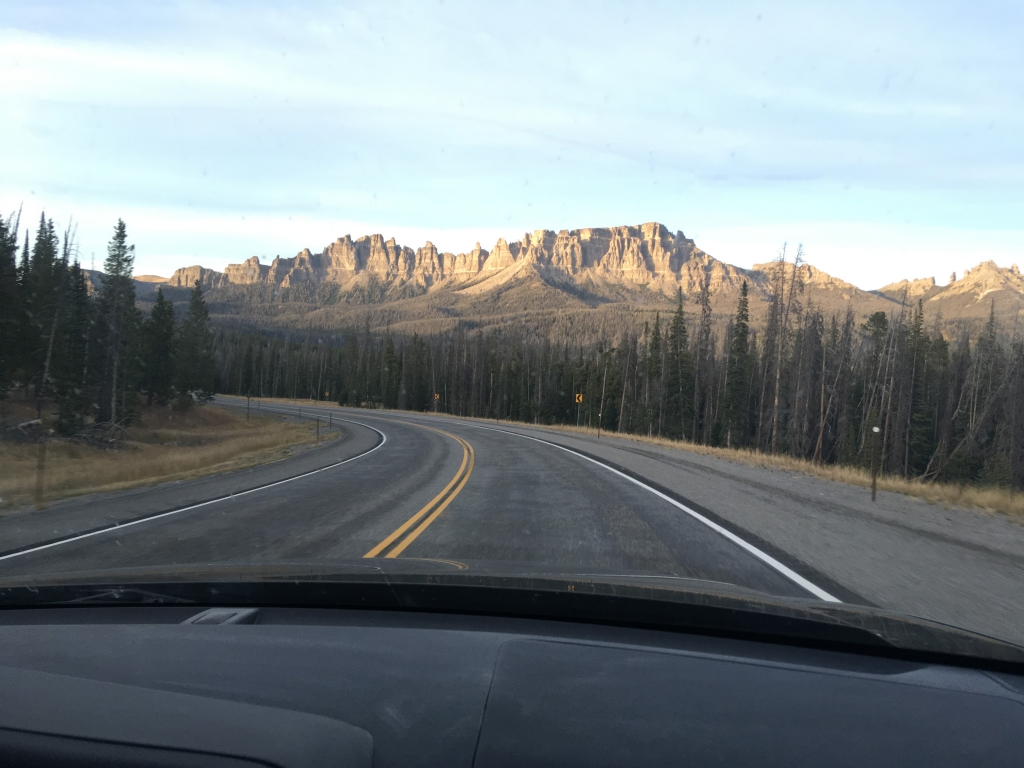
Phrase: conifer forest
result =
(93, 354)
(797, 381)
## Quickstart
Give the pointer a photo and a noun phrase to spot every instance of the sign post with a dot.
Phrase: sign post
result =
(874, 462)
(579, 402)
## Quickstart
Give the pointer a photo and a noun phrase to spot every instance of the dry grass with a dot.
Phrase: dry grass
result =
(987, 498)
(164, 445)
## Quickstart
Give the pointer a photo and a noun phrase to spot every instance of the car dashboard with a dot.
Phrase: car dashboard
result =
(290, 687)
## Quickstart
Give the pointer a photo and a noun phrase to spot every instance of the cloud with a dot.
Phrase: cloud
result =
(473, 119)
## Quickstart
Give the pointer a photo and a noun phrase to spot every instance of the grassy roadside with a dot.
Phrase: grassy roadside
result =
(986, 498)
(164, 444)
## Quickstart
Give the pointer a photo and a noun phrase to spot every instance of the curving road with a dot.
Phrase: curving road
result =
(413, 486)
(417, 486)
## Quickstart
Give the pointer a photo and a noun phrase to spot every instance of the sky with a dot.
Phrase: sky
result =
(887, 138)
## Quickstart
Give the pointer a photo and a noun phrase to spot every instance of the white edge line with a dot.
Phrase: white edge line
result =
(157, 516)
(786, 571)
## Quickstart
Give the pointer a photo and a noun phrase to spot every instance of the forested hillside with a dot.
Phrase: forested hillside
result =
(84, 345)
(807, 381)
(809, 384)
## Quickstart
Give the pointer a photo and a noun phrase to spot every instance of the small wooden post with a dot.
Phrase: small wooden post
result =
(874, 462)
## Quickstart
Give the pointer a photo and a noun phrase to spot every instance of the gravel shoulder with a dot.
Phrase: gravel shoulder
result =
(958, 566)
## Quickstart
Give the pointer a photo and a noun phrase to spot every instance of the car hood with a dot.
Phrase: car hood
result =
(531, 590)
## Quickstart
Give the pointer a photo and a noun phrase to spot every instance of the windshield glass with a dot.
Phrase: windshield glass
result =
(712, 299)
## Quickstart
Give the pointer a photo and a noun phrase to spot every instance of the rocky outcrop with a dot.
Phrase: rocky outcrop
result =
(912, 290)
(985, 279)
(186, 277)
(248, 272)
(640, 254)
(615, 263)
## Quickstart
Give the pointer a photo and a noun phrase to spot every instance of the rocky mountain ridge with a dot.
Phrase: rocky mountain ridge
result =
(625, 269)
(644, 254)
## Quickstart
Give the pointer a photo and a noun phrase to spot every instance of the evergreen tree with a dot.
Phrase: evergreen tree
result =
(245, 382)
(678, 375)
(117, 309)
(390, 374)
(737, 373)
(193, 352)
(654, 372)
(44, 281)
(71, 359)
(10, 304)
(158, 351)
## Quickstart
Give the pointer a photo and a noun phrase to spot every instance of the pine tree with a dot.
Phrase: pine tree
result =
(653, 375)
(21, 350)
(702, 364)
(737, 373)
(390, 374)
(678, 375)
(42, 293)
(71, 360)
(117, 308)
(158, 351)
(10, 304)
(193, 352)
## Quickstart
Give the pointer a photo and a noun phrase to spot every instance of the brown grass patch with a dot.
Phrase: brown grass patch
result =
(987, 498)
(164, 444)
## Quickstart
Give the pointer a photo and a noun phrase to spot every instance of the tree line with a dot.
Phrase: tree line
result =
(803, 383)
(800, 382)
(93, 354)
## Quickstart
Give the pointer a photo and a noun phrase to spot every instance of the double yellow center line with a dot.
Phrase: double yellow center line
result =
(434, 507)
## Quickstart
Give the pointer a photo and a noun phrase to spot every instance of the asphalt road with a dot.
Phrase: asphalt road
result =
(427, 487)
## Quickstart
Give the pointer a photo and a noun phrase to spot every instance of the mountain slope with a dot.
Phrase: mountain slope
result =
(574, 282)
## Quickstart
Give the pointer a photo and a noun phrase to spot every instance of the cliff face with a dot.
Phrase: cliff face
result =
(186, 277)
(630, 267)
(643, 254)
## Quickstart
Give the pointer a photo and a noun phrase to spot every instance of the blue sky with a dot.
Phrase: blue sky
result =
(888, 138)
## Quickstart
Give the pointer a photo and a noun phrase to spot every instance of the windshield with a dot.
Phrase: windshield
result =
(699, 299)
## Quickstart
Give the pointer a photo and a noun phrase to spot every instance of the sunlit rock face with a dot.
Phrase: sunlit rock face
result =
(648, 255)
(186, 277)
(645, 265)
(638, 254)
(247, 273)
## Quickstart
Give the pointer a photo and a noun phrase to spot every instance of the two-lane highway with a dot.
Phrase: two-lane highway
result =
(406, 486)
(418, 491)
(397, 486)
